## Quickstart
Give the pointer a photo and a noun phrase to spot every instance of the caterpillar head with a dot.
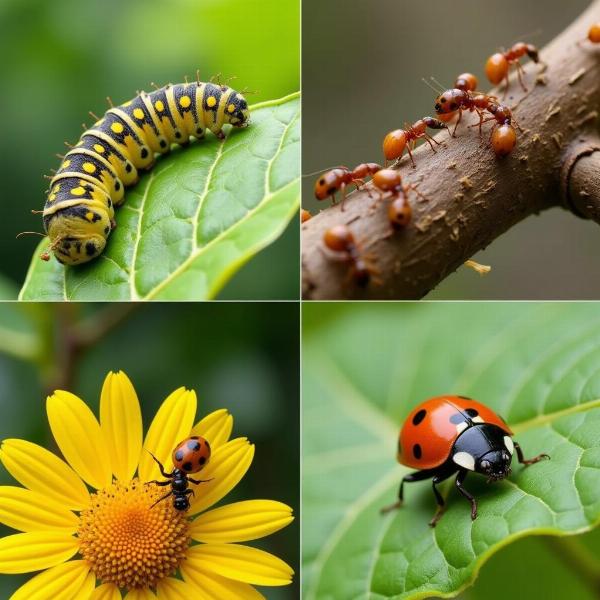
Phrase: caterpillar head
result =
(237, 110)
(76, 236)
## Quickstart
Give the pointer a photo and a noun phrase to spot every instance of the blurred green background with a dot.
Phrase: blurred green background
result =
(362, 65)
(61, 59)
(243, 357)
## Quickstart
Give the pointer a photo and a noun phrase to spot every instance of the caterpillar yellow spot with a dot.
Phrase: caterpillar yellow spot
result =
(79, 214)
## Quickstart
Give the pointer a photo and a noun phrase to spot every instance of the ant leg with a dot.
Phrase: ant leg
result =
(459, 481)
(415, 188)
(162, 469)
(460, 112)
(411, 156)
(507, 84)
(198, 481)
(530, 461)
(161, 499)
(520, 72)
(429, 139)
(190, 491)
(158, 482)
(343, 190)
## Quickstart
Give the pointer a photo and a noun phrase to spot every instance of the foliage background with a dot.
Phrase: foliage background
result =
(365, 366)
(362, 67)
(61, 59)
(243, 357)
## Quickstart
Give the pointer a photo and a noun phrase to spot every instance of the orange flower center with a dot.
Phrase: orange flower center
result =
(127, 541)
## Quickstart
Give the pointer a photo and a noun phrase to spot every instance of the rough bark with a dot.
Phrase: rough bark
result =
(472, 196)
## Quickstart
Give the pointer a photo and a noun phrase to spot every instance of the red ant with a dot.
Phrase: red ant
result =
(395, 141)
(497, 65)
(341, 241)
(399, 210)
(503, 135)
(304, 215)
(339, 178)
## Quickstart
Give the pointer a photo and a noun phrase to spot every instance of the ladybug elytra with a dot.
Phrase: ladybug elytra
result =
(455, 434)
(189, 456)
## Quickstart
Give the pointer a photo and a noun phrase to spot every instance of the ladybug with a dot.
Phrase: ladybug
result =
(189, 456)
(455, 434)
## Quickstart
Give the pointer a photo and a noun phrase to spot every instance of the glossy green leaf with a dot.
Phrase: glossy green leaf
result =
(365, 367)
(188, 225)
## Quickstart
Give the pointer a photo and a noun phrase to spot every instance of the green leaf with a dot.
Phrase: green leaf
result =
(365, 368)
(187, 226)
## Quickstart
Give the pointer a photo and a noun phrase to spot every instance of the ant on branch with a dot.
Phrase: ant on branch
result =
(498, 65)
(396, 141)
(339, 178)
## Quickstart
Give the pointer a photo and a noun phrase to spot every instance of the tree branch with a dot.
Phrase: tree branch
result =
(472, 196)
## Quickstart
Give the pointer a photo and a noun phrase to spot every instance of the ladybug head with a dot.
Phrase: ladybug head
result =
(494, 464)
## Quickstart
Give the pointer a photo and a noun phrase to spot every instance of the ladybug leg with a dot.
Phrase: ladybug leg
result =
(416, 476)
(161, 499)
(530, 461)
(459, 481)
(162, 469)
(197, 481)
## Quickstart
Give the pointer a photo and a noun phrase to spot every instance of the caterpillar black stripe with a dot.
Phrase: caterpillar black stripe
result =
(79, 211)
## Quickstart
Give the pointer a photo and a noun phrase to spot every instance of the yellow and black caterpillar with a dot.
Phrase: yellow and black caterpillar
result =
(79, 210)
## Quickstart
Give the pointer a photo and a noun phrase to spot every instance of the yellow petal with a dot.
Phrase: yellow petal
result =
(34, 551)
(121, 423)
(241, 563)
(140, 594)
(106, 591)
(79, 438)
(64, 582)
(40, 470)
(25, 510)
(215, 587)
(215, 427)
(241, 521)
(170, 588)
(172, 423)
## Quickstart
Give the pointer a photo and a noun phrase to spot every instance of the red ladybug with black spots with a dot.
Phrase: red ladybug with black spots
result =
(455, 434)
(189, 456)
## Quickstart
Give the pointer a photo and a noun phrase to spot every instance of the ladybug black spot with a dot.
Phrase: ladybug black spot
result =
(202, 460)
(179, 455)
(193, 445)
(417, 451)
(418, 418)
(457, 418)
(471, 412)
(187, 466)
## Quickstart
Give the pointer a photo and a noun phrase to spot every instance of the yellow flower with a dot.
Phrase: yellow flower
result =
(117, 537)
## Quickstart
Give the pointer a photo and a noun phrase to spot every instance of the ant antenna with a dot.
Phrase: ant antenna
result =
(323, 170)
(437, 91)
(441, 85)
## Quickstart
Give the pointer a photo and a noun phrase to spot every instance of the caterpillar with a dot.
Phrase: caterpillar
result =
(79, 211)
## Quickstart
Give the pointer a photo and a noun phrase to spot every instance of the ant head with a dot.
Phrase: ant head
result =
(533, 53)
(449, 101)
